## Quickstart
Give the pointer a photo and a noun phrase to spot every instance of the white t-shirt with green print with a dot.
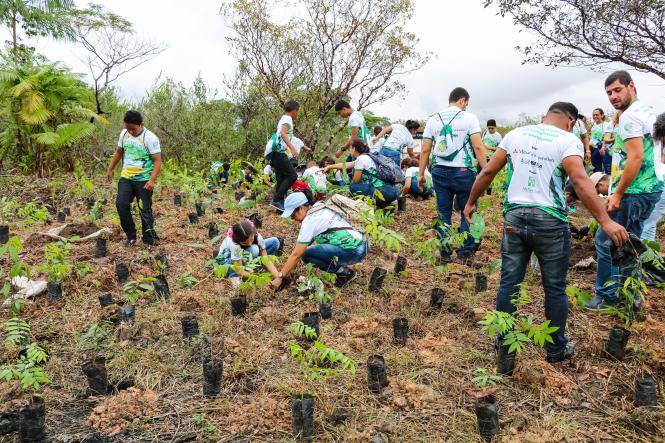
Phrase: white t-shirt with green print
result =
(357, 120)
(450, 131)
(399, 139)
(536, 176)
(598, 131)
(637, 122)
(137, 154)
(366, 165)
(323, 227)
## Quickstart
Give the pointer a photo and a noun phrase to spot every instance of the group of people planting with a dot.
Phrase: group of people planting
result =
(457, 162)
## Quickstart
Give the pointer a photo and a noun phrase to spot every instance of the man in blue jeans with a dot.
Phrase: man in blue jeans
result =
(325, 239)
(636, 182)
(455, 134)
(539, 158)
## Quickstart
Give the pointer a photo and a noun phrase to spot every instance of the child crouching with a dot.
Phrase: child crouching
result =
(244, 244)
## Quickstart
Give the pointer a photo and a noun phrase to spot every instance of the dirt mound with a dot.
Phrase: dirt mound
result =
(541, 373)
(120, 412)
(412, 396)
(264, 416)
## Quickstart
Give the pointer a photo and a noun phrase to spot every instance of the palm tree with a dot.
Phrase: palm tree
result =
(43, 109)
(36, 17)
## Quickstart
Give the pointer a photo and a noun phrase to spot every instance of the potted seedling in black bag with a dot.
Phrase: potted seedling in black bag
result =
(315, 287)
(513, 332)
(132, 291)
(631, 294)
(487, 414)
(58, 267)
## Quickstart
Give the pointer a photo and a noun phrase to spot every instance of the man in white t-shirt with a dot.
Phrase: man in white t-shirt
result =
(357, 126)
(539, 157)
(636, 183)
(140, 152)
(455, 135)
(399, 138)
(491, 137)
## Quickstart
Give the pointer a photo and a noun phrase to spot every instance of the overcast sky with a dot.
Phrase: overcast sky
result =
(472, 47)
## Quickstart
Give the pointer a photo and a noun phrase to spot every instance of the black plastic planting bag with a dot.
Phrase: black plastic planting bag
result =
(627, 253)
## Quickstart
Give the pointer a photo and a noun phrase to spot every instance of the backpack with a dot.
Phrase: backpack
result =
(445, 139)
(386, 170)
(349, 209)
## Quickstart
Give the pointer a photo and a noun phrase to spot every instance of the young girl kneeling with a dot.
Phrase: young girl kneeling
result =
(242, 245)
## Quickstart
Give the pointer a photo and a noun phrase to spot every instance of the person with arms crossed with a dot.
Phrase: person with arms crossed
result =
(455, 134)
(636, 183)
(539, 157)
(141, 157)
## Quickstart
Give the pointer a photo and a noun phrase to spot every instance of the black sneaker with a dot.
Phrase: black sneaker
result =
(277, 205)
(130, 242)
(344, 277)
(280, 248)
(566, 354)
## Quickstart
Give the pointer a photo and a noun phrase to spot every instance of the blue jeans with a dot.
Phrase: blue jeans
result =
(331, 257)
(393, 154)
(531, 230)
(389, 193)
(607, 161)
(596, 160)
(633, 211)
(271, 244)
(415, 190)
(453, 183)
(650, 225)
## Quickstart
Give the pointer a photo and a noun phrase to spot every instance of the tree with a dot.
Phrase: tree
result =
(36, 18)
(112, 47)
(329, 50)
(592, 33)
(43, 109)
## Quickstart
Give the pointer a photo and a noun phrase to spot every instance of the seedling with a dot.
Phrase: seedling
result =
(577, 296)
(315, 286)
(518, 330)
(187, 280)
(57, 264)
(133, 290)
(26, 369)
(317, 362)
(632, 294)
(485, 382)
(94, 338)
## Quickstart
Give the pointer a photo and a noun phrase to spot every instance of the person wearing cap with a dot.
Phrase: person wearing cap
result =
(325, 239)
(539, 157)
(636, 183)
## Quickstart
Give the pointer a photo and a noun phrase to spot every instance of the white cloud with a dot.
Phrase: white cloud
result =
(472, 47)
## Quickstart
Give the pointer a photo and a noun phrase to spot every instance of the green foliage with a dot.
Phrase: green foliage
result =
(135, 289)
(315, 286)
(16, 331)
(57, 260)
(485, 379)
(377, 221)
(517, 330)
(320, 359)
(45, 109)
(30, 213)
(577, 296)
(94, 337)
(13, 248)
(26, 372)
(187, 280)
(631, 294)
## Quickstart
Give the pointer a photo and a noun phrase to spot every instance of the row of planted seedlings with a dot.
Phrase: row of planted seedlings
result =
(512, 333)
(28, 368)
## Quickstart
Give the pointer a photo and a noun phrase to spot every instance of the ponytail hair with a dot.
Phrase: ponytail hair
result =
(241, 231)
(360, 146)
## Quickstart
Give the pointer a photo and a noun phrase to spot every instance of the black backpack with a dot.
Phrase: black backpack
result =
(386, 169)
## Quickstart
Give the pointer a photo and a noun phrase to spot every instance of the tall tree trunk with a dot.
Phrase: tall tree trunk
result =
(14, 39)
